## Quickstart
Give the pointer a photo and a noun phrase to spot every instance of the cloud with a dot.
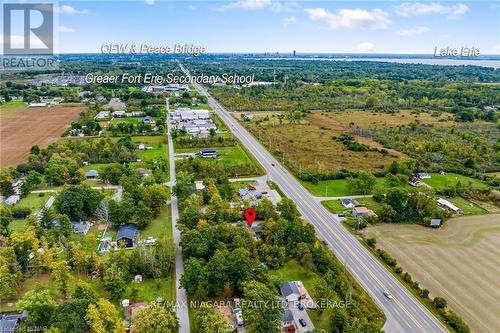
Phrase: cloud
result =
(495, 50)
(65, 9)
(191, 7)
(365, 47)
(289, 20)
(408, 9)
(351, 18)
(277, 7)
(412, 31)
(62, 28)
(149, 2)
(17, 41)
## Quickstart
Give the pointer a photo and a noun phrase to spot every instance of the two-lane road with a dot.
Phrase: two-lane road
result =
(404, 313)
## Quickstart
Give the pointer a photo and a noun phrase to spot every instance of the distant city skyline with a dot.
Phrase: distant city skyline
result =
(259, 26)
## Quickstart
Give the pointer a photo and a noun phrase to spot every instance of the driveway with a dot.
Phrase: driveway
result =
(297, 314)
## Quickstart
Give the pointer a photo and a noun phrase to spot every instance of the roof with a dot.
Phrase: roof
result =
(363, 210)
(12, 200)
(287, 316)
(208, 150)
(347, 202)
(256, 228)
(92, 173)
(435, 222)
(448, 204)
(289, 288)
(80, 227)
(129, 231)
(10, 321)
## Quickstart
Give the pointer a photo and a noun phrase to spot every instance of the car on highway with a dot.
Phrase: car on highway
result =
(388, 294)
(302, 322)
(273, 164)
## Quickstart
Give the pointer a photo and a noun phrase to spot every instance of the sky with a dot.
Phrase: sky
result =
(274, 26)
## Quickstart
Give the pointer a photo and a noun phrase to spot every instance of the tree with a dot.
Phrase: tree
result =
(143, 215)
(155, 197)
(8, 275)
(288, 209)
(23, 244)
(78, 202)
(6, 181)
(33, 179)
(265, 317)
(439, 303)
(210, 321)
(5, 219)
(155, 319)
(68, 316)
(83, 290)
(193, 278)
(40, 306)
(103, 318)
(114, 281)
(363, 183)
(112, 173)
(307, 262)
(61, 274)
(239, 270)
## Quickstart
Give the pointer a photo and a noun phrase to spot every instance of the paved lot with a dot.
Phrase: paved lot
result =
(297, 314)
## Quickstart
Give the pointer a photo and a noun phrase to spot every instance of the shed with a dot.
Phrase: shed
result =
(12, 200)
(81, 228)
(435, 223)
(128, 234)
(349, 203)
(92, 174)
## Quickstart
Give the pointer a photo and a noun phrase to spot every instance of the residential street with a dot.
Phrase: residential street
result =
(181, 299)
(404, 313)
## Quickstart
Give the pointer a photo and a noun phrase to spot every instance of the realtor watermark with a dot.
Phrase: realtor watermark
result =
(28, 36)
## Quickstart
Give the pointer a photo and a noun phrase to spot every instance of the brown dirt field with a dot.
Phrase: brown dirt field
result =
(459, 261)
(20, 129)
(309, 144)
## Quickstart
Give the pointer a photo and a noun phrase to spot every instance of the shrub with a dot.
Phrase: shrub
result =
(439, 303)
(424, 293)
(371, 242)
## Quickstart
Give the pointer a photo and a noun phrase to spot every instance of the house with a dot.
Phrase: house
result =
(17, 186)
(199, 186)
(103, 115)
(92, 174)
(447, 205)
(119, 114)
(287, 319)
(132, 309)
(148, 120)
(349, 203)
(435, 223)
(207, 152)
(289, 291)
(422, 175)
(127, 234)
(9, 322)
(80, 228)
(414, 181)
(359, 212)
(12, 200)
(37, 105)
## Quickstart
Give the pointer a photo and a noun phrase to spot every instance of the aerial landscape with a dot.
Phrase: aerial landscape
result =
(250, 166)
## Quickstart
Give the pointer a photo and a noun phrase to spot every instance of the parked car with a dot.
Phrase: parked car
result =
(300, 306)
(388, 294)
(302, 322)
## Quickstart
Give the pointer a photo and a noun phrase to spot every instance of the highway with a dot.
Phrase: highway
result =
(404, 313)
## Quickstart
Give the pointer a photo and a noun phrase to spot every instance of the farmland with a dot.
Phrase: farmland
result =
(23, 128)
(455, 261)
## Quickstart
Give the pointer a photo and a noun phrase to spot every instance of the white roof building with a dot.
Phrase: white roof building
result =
(443, 203)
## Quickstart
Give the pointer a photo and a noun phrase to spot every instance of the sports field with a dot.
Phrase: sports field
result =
(458, 261)
(22, 128)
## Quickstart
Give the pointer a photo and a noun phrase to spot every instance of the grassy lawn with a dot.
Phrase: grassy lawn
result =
(153, 154)
(96, 166)
(127, 120)
(440, 182)
(12, 105)
(17, 225)
(150, 289)
(160, 226)
(35, 201)
(467, 207)
(239, 184)
(336, 187)
(334, 206)
(370, 203)
(228, 155)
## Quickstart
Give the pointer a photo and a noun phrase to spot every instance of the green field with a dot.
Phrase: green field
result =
(96, 166)
(126, 120)
(336, 187)
(467, 207)
(335, 207)
(160, 226)
(35, 201)
(440, 182)
(12, 105)
(228, 155)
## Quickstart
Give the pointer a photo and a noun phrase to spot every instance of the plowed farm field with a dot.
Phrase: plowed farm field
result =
(459, 261)
(22, 128)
